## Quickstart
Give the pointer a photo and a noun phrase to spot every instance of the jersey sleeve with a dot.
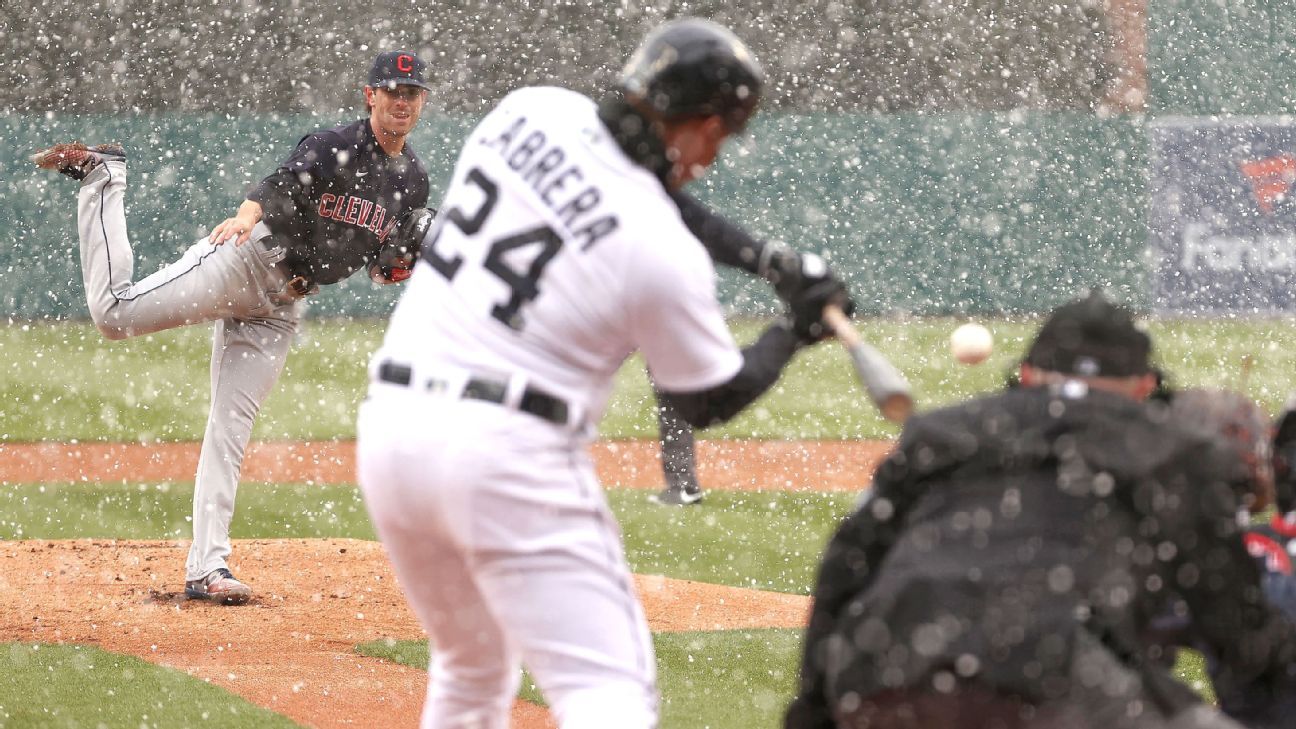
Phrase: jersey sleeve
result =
(726, 243)
(285, 194)
(675, 319)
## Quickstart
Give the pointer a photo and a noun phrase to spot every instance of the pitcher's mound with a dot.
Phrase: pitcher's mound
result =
(291, 649)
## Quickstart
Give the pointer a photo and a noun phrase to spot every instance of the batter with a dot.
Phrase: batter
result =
(559, 253)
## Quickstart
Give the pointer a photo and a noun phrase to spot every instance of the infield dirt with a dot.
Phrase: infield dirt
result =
(291, 649)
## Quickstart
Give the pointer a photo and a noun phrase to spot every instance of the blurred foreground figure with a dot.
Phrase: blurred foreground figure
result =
(559, 253)
(1005, 568)
(1236, 422)
(1274, 543)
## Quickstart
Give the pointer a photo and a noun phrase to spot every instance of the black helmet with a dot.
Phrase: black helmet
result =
(693, 67)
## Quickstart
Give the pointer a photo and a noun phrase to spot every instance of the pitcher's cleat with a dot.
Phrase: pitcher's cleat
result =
(219, 586)
(75, 159)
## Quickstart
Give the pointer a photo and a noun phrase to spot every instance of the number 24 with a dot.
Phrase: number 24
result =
(524, 286)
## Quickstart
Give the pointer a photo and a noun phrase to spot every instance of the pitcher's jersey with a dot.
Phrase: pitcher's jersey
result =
(555, 257)
(337, 196)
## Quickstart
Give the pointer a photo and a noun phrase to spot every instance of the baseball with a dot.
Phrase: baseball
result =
(971, 343)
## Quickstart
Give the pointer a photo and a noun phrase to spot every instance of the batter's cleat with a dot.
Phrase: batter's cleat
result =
(677, 497)
(76, 160)
(219, 586)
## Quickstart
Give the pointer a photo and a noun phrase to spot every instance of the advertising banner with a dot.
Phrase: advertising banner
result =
(1222, 215)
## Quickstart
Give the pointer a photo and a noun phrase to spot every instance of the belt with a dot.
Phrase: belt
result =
(534, 402)
(297, 284)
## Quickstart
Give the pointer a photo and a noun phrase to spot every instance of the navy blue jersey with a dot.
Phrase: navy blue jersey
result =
(334, 200)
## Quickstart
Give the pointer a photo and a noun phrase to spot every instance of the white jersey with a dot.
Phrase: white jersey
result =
(554, 257)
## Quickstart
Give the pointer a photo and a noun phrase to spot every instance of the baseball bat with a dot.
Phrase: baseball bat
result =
(886, 387)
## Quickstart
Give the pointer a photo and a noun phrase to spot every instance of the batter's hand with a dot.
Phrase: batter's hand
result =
(807, 307)
(793, 272)
(238, 227)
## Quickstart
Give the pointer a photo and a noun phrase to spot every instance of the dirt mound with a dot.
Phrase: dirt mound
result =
(291, 649)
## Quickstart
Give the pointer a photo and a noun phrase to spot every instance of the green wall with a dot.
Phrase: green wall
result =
(1209, 57)
(935, 212)
(950, 213)
(923, 213)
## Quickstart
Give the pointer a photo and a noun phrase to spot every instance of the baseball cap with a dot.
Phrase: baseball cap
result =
(398, 68)
(1091, 337)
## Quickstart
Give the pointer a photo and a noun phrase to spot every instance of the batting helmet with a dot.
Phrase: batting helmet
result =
(692, 67)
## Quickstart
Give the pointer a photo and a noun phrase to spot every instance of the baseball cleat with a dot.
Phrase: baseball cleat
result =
(219, 586)
(75, 159)
(677, 497)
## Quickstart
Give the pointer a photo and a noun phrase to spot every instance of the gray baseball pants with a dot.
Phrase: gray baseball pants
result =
(241, 289)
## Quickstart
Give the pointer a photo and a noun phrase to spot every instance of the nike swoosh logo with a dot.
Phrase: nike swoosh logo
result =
(361, 174)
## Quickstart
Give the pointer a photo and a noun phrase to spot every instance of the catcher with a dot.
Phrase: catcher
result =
(1263, 480)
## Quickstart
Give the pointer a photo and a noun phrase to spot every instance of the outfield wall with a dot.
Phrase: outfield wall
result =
(942, 205)
(1213, 58)
(929, 214)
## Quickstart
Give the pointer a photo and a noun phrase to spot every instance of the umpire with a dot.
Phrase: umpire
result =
(1014, 548)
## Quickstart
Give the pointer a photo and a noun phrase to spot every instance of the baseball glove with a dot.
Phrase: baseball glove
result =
(399, 251)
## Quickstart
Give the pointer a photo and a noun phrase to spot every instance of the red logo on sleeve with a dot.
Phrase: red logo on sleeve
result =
(404, 63)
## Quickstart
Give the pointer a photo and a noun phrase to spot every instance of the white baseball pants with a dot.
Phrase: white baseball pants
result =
(503, 543)
(237, 287)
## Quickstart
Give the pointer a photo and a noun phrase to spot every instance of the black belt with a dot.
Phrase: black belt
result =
(300, 281)
(535, 402)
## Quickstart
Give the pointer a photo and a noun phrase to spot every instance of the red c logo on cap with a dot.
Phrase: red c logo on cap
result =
(405, 64)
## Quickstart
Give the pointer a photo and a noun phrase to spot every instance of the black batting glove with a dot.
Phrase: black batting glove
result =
(807, 305)
(792, 273)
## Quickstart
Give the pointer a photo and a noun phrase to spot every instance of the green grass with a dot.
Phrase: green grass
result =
(763, 540)
(770, 541)
(1190, 667)
(728, 679)
(415, 653)
(69, 686)
(162, 511)
(733, 679)
(63, 382)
